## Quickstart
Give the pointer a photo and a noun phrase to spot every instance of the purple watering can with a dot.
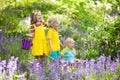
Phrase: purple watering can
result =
(26, 44)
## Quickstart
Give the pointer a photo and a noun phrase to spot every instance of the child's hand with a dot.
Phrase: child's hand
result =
(45, 23)
(77, 52)
(51, 50)
(29, 35)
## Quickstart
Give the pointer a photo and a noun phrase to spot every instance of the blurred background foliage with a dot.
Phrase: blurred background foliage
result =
(94, 24)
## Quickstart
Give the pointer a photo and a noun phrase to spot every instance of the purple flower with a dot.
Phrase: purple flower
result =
(62, 39)
(116, 79)
(4, 50)
(113, 67)
(102, 58)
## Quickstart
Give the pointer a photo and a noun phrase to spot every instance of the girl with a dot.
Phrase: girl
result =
(37, 34)
(53, 39)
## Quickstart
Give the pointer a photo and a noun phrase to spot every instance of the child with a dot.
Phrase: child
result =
(68, 53)
(37, 34)
(53, 39)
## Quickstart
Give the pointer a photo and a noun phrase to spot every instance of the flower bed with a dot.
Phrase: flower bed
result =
(101, 69)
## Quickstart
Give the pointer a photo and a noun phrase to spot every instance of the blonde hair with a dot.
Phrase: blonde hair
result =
(68, 40)
(51, 20)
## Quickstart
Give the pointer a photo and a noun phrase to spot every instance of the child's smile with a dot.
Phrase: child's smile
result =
(39, 17)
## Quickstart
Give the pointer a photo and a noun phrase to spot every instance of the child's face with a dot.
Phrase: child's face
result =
(39, 17)
(55, 24)
(71, 44)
